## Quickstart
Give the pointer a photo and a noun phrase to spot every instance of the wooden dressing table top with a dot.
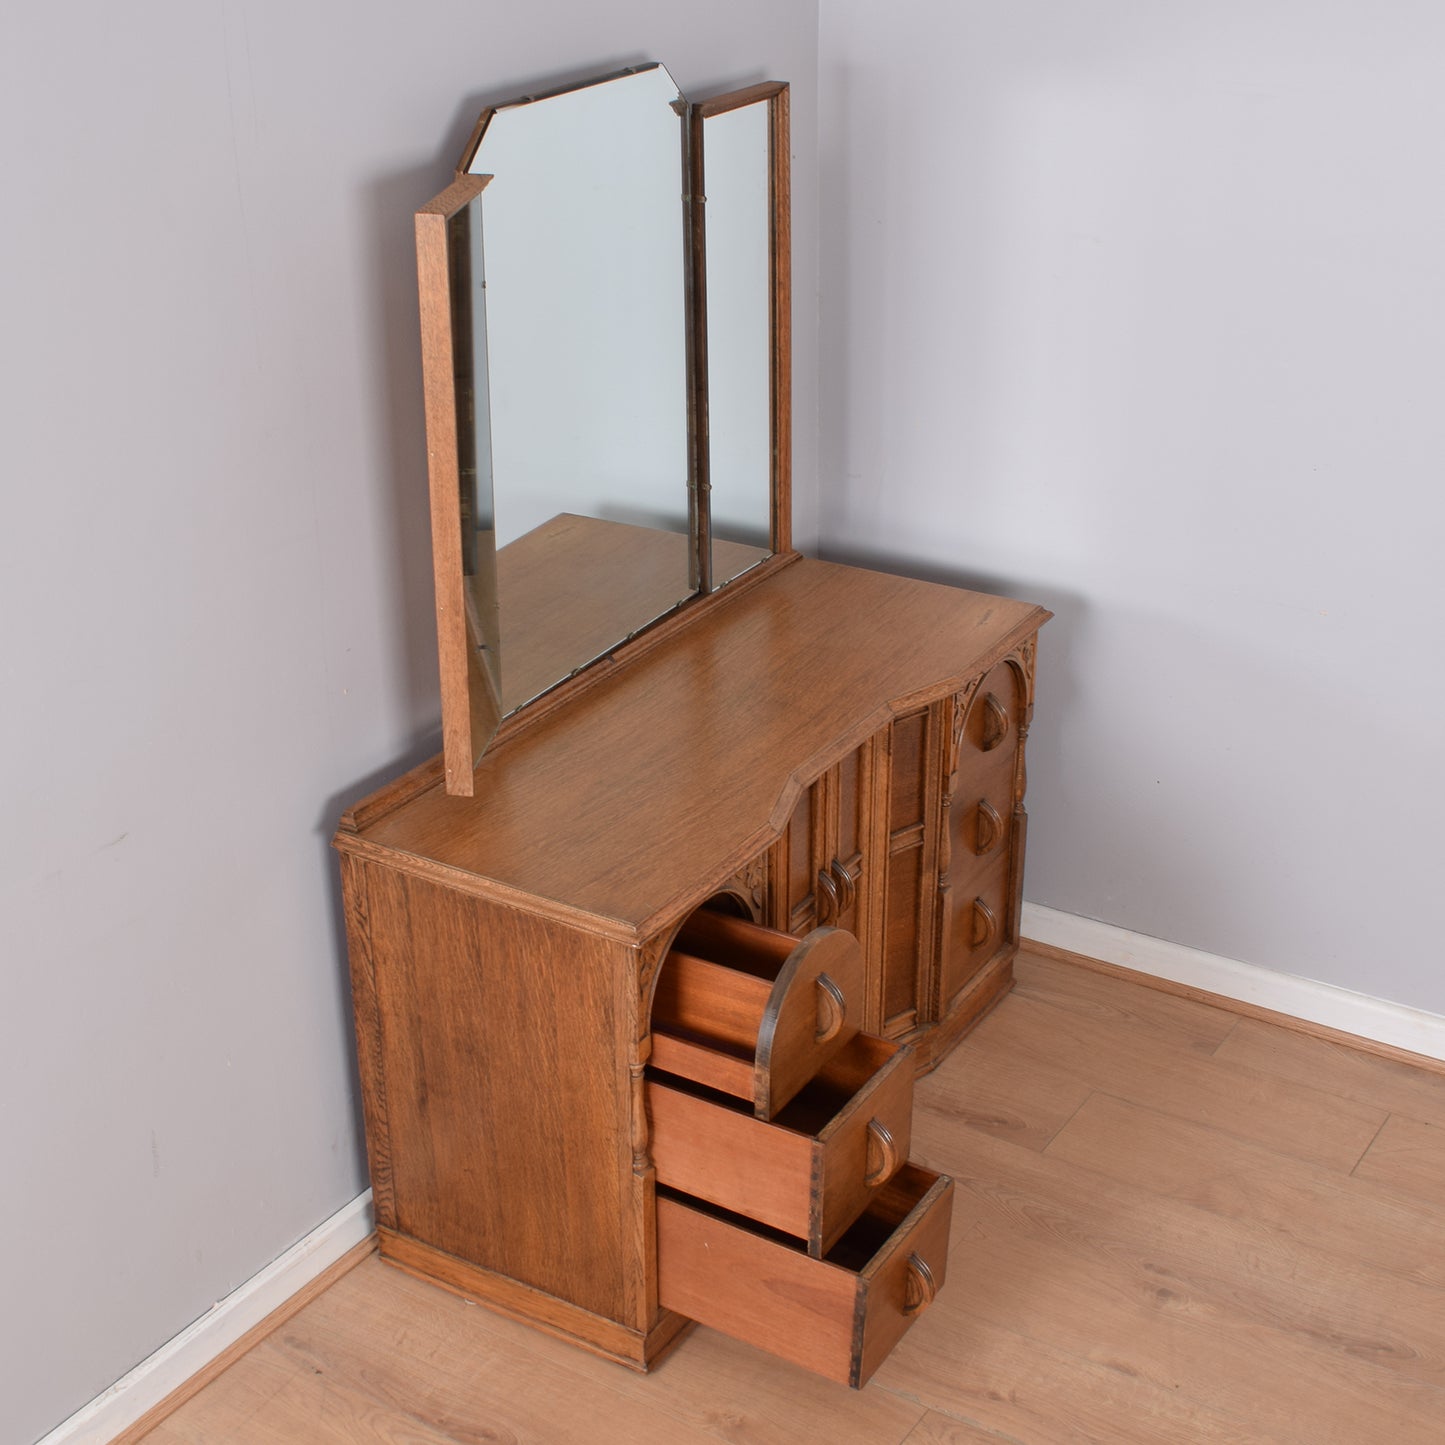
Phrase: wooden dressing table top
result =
(682, 764)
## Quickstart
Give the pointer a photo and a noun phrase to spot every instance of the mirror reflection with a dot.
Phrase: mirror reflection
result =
(474, 468)
(586, 360)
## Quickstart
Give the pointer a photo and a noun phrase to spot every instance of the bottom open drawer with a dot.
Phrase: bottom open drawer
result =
(839, 1315)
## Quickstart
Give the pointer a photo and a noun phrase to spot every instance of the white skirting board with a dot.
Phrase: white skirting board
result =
(1301, 998)
(220, 1327)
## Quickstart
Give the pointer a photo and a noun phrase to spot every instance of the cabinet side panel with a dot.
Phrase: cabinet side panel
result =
(504, 1100)
(355, 878)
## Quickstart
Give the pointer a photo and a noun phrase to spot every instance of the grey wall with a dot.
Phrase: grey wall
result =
(1139, 310)
(214, 580)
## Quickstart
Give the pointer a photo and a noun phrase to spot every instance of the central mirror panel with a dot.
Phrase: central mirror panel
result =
(584, 251)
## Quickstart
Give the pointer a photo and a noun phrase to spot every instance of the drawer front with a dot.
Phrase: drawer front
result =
(812, 1170)
(754, 1012)
(837, 1316)
(983, 819)
(979, 921)
(992, 721)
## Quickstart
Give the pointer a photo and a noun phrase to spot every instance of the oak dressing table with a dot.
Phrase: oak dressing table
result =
(573, 1080)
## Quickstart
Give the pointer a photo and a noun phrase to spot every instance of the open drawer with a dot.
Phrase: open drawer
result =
(752, 1012)
(838, 1316)
(812, 1169)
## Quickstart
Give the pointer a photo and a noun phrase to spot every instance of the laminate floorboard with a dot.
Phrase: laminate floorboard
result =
(1337, 1069)
(936, 1429)
(1171, 1225)
(1408, 1156)
(1358, 1219)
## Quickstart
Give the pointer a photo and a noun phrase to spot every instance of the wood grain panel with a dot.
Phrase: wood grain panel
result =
(1022, 1390)
(351, 1385)
(936, 1429)
(731, 1158)
(1025, 1101)
(1316, 1208)
(504, 1101)
(622, 1343)
(394, 1360)
(711, 1001)
(1190, 1026)
(1409, 1156)
(906, 886)
(1060, 1254)
(1334, 1067)
(1288, 1117)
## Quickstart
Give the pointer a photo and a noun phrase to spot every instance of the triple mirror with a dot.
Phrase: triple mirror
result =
(604, 298)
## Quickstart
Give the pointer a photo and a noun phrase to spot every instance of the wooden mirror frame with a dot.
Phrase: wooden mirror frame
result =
(471, 703)
(773, 93)
(469, 707)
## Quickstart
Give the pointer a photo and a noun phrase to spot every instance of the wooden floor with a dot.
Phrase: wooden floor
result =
(1171, 1224)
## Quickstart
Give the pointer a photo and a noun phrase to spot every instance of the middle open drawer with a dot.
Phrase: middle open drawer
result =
(812, 1169)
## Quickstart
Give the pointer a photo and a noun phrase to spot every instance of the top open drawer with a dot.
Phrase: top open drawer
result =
(753, 1012)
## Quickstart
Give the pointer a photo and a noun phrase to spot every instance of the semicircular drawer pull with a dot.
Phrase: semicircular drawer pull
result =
(988, 829)
(847, 886)
(832, 1008)
(985, 924)
(995, 723)
(883, 1160)
(920, 1288)
(830, 905)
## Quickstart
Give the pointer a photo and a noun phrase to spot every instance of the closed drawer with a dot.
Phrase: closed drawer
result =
(991, 724)
(752, 1012)
(980, 920)
(838, 1316)
(984, 819)
(812, 1170)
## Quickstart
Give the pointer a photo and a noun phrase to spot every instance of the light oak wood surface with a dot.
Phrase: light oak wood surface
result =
(780, 689)
(1137, 1255)
(1409, 1156)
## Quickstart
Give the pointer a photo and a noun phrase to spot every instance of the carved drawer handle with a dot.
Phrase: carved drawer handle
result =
(920, 1288)
(985, 924)
(829, 904)
(847, 886)
(832, 1008)
(995, 723)
(883, 1160)
(990, 826)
